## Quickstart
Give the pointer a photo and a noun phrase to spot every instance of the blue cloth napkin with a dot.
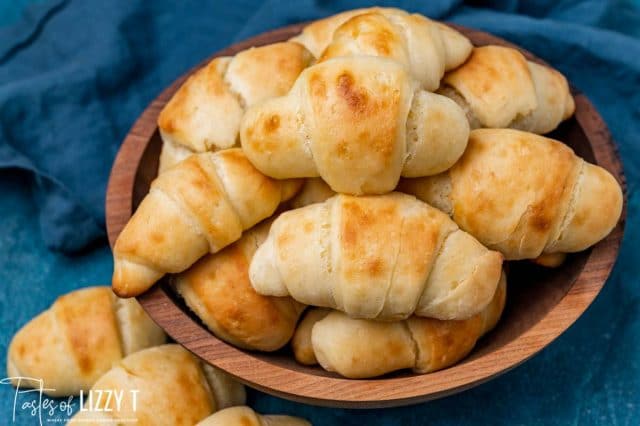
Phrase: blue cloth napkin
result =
(74, 75)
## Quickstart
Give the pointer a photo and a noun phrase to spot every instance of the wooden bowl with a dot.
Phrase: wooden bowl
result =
(541, 303)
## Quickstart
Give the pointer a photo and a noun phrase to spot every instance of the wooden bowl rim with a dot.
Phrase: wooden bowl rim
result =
(341, 392)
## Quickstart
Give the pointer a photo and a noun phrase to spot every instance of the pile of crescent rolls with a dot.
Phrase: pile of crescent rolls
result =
(372, 173)
(91, 342)
(351, 193)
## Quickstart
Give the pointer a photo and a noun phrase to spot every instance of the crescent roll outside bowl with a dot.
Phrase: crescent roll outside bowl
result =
(71, 344)
(498, 87)
(218, 290)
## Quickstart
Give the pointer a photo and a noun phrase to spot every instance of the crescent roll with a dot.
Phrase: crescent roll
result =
(427, 42)
(358, 348)
(376, 257)
(197, 207)
(245, 416)
(499, 87)
(71, 344)
(164, 385)
(357, 122)
(218, 290)
(301, 341)
(204, 114)
(524, 195)
(314, 190)
(425, 47)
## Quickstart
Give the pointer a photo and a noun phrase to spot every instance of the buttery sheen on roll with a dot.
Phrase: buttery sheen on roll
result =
(172, 387)
(205, 113)
(524, 195)
(425, 47)
(498, 87)
(359, 123)
(378, 257)
(245, 416)
(197, 207)
(71, 344)
(428, 44)
(314, 190)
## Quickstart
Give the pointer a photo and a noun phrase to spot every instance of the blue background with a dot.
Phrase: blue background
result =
(75, 74)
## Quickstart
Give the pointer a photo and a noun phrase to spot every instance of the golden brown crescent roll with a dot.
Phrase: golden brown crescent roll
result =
(357, 348)
(524, 195)
(71, 344)
(426, 40)
(357, 122)
(550, 260)
(317, 35)
(422, 45)
(164, 385)
(197, 207)
(218, 290)
(377, 257)
(204, 114)
(245, 416)
(498, 87)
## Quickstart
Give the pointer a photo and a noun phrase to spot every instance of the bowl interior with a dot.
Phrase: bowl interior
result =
(532, 290)
(541, 302)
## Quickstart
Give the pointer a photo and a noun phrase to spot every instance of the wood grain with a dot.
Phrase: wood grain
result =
(542, 303)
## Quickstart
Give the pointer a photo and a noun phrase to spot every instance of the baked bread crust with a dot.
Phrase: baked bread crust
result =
(359, 348)
(218, 290)
(524, 195)
(172, 388)
(377, 257)
(205, 113)
(357, 122)
(499, 87)
(71, 344)
(197, 207)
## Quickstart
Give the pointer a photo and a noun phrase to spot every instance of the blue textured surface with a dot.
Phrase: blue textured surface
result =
(74, 75)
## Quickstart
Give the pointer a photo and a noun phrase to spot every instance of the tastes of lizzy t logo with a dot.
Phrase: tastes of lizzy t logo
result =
(29, 399)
